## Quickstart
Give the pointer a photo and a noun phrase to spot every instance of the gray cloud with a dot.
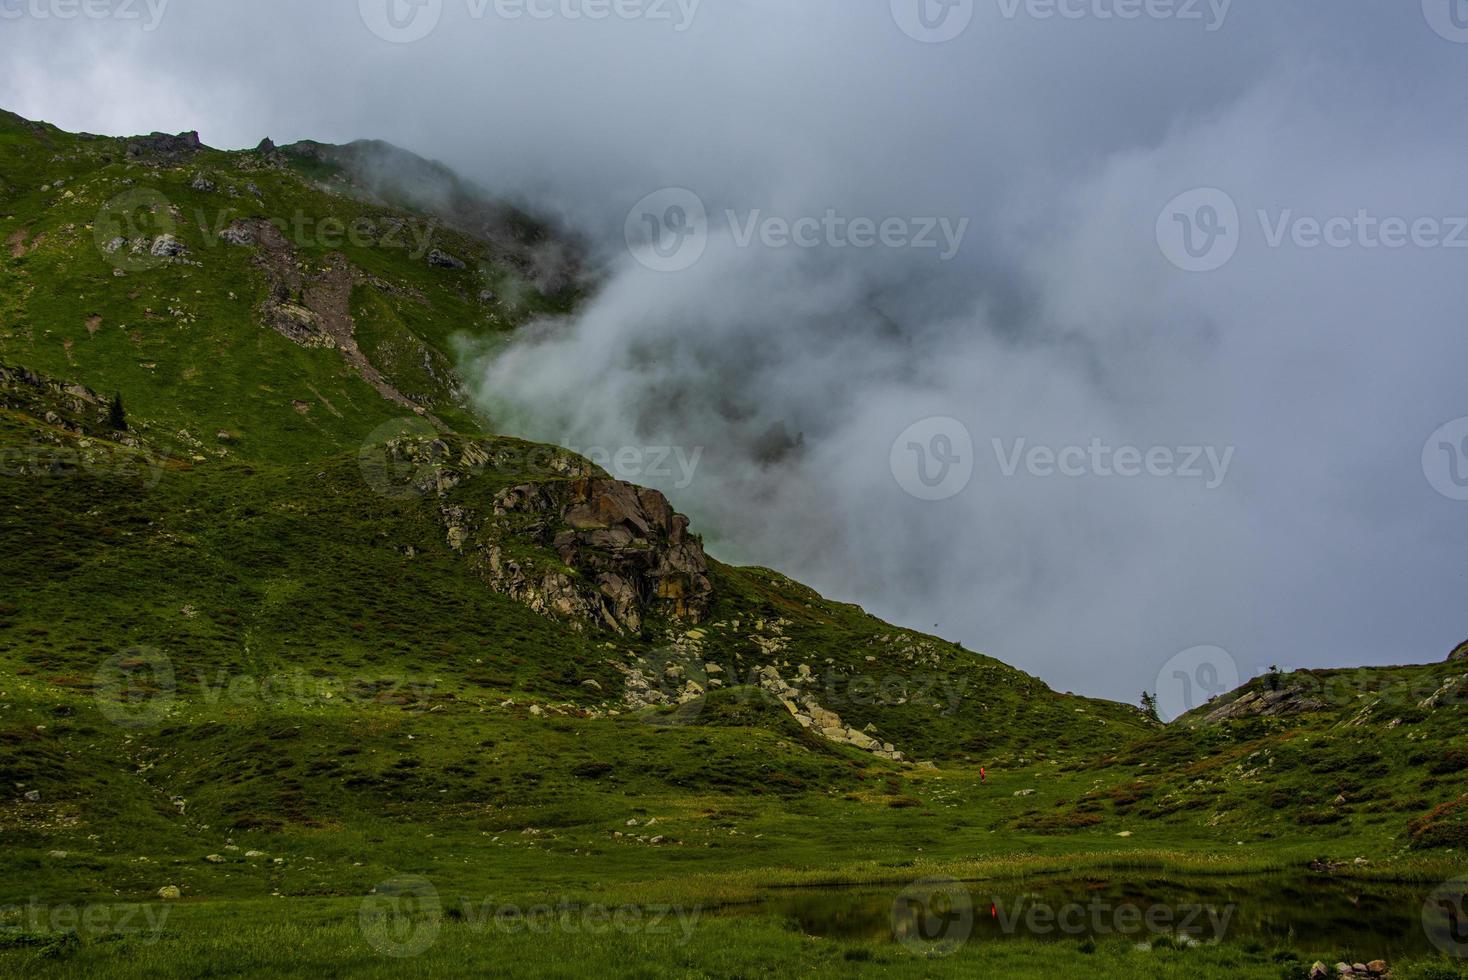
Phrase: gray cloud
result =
(1060, 321)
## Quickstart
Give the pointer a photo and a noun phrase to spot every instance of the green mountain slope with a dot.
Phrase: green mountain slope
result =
(300, 621)
(305, 528)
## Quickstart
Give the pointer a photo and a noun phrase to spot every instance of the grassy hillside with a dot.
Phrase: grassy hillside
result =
(300, 622)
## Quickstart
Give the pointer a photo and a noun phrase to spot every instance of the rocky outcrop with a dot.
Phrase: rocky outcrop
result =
(825, 723)
(626, 541)
(312, 307)
(1461, 653)
(1289, 699)
(1453, 691)
(575, 544)
(163, 149)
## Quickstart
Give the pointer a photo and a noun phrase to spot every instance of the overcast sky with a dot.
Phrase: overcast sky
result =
(1005, 240)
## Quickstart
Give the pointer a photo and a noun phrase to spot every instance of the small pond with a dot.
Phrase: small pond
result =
(1353, 919)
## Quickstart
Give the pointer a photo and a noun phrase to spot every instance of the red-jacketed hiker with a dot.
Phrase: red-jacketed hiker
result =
(983, 776)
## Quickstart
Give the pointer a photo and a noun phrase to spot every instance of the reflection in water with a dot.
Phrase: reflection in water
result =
(1356, 919)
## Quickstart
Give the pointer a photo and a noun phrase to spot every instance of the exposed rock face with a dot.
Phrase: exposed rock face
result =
(85, 410)
(625, 539)
(1454, 690)
(1461, 653)
(825, 723)
(163, 149)
(1265, 703)
(603, 551)
(312, 307)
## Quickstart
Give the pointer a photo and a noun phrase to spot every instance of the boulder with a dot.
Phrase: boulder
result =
(167, 247)
(170, 893)
(440, 259)
(240, 233)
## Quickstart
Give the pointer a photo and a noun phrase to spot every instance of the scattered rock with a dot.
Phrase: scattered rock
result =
(214, 858)
(240, 233)
(440, 259)
(168, 247)
(33, 796)
(170, 893)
